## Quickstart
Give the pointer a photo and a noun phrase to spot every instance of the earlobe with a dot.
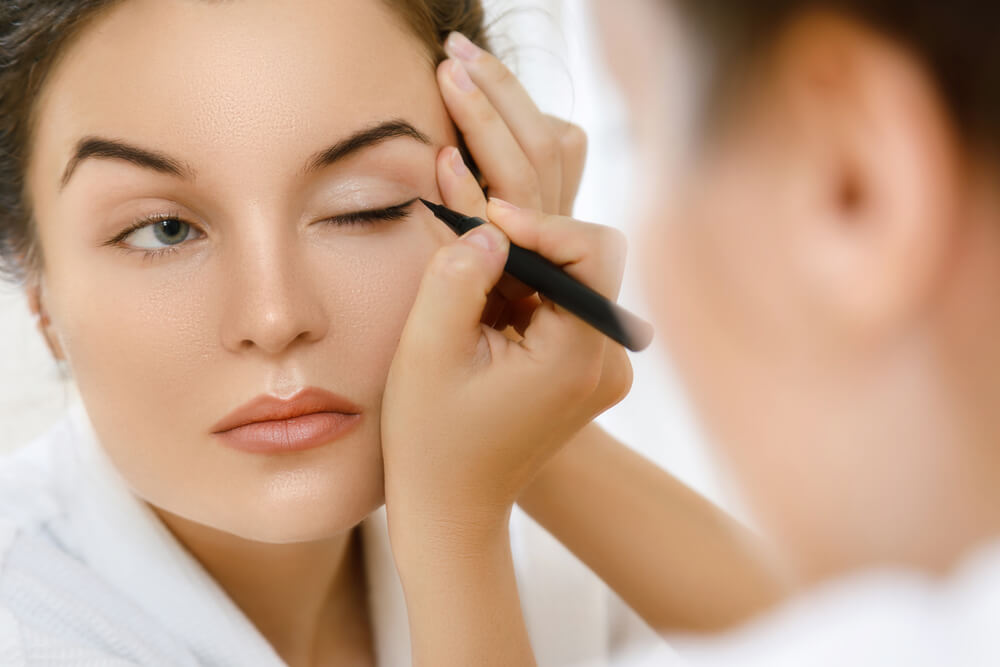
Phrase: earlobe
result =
(43, 322)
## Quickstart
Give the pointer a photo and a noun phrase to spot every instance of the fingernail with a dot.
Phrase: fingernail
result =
(484, 236)
(459, 46)
(457, 163)
(503, 204)
(461, 77)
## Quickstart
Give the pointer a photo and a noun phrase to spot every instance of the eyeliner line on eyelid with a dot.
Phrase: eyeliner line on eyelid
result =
(388, 213)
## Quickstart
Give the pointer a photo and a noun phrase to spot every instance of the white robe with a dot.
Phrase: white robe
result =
(89, 575)
(882, 617)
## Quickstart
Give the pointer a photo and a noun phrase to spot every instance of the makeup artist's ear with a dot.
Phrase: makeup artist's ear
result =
(34, 290)
(875, 178)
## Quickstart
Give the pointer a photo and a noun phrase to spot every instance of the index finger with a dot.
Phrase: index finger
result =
(593, 254)
(532, 129)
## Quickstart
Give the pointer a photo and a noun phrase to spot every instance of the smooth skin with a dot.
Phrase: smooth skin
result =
(482, 446)
(265, 297)
(824, 271)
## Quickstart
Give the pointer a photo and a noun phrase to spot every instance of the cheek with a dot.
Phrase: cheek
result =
(126, 337)
(146, 340)
(376, 290)
(145, 348)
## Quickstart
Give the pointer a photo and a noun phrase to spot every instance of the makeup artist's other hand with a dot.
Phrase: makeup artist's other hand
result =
(531, 159)
(528, 158)
(470, 415)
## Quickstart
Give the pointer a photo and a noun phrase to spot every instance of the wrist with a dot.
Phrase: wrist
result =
(418, 530)
(553, 477)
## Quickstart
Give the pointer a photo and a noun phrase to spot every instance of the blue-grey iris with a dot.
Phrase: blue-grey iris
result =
(171, 232)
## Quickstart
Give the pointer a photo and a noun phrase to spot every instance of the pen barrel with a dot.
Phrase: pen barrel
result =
(552, 282)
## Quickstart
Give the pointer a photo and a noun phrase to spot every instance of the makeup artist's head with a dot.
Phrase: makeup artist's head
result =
(260, 276)
(825, 265)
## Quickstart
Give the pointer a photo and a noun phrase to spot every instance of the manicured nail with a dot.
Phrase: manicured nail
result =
(503, 204)
(457, 163)
(459, 46)
(461, 77)
(484, 236)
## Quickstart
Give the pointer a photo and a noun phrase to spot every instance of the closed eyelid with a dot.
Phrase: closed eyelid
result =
(387, 213)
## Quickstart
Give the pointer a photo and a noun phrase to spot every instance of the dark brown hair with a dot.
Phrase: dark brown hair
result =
(956, 41)
(33, 35)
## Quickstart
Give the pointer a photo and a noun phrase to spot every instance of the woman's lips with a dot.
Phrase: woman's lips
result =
(290, 435)
(268, 424)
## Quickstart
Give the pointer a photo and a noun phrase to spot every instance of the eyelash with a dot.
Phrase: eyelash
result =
(355, 218)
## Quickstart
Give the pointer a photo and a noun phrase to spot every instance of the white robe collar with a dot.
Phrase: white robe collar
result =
(121, 538)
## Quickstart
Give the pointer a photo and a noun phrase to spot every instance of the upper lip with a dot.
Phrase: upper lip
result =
(268, 408)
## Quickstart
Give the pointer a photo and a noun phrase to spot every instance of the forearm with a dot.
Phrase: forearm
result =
(678, 560)
(461, 595)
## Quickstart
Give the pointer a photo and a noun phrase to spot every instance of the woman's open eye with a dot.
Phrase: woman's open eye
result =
(167, 232)
(155, 235)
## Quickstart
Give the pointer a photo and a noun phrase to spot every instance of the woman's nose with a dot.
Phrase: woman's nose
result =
(271, 301)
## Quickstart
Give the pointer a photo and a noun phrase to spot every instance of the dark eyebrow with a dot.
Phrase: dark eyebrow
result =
(389, 129)
(99, 147)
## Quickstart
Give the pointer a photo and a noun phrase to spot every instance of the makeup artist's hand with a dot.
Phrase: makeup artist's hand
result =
(531, 159)
(472, 410)
(469, 415)
(535, 162)
(528, 158)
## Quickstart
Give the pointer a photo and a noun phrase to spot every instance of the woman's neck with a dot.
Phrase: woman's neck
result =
(306, 598)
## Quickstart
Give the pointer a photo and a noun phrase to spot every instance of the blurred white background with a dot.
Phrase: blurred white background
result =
(551, 45)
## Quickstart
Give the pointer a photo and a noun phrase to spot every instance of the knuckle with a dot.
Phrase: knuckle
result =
(616, 381)
(590, 374)
(619, 378)
(615, 242)
(583, 381)
(454, 262)
(545, 149)
(497, 71)
(483, 112)
(527, 185)
(574, 140)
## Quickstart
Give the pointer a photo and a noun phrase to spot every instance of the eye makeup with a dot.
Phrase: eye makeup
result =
(397, 212)
(354, 218)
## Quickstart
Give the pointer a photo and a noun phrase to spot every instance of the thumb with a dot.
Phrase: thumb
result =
(445, 318)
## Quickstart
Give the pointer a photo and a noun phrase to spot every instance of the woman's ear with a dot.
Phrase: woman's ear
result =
(36, 304)
(882, 194)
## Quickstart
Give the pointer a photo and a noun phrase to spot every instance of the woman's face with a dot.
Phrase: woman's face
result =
(262, 290)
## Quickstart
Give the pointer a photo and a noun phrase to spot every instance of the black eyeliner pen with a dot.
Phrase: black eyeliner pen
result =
(561, 288)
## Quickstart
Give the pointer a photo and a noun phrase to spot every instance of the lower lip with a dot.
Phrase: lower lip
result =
(290, 435)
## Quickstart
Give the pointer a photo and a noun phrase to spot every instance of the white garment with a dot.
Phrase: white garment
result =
(878, 618)
(89, 575)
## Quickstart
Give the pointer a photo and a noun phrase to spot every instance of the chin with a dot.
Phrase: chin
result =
(307, 505)
(305, 515)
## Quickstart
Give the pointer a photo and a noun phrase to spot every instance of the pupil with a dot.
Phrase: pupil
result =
(171, 231)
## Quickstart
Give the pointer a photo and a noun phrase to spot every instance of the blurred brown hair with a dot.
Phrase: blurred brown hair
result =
(956, 41)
